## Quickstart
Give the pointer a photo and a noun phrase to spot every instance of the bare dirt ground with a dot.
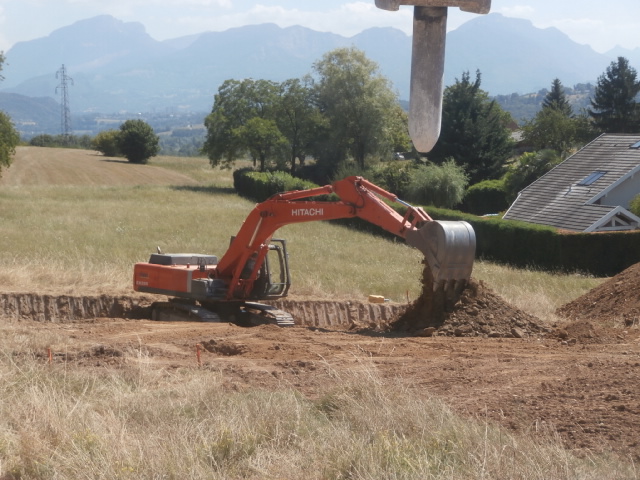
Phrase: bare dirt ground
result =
(487, 360)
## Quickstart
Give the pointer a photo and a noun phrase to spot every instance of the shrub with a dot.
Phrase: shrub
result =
(394, 177)
(137, 141)
(634, 206)
(441, 186)
(485, 197)
(259, 186)
(107, 143)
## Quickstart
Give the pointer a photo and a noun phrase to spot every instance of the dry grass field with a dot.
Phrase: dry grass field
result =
(121, 399)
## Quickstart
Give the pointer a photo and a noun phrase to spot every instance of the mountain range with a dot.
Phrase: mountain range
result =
(116, 66)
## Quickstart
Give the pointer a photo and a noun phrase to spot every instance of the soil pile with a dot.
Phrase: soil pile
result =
(480, 312)
(617, 300)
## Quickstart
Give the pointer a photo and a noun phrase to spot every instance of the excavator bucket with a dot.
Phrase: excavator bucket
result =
(449, 249)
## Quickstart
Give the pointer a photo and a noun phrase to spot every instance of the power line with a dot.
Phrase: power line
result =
(63, 88)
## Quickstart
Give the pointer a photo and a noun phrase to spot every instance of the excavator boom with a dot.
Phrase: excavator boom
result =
(245, 272)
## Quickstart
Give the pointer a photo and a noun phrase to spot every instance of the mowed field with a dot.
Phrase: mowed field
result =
(59, 166)
(122, 398)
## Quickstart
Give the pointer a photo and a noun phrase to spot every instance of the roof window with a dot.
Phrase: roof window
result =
(590, 179)
(636, 145)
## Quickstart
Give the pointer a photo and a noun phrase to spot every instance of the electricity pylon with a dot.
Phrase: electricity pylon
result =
(63, 88)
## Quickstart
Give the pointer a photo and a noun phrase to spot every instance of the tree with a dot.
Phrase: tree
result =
(551, 129)
(359, 105)
(298, 118)
(526, 169)
(474, 131)
(107, 143)
(137, 141)
(557, 100)
(9, 137)
(262, 139)
(554, 126)
(614, 106)
(234, 105)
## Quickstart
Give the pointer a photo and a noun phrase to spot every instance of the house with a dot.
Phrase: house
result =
(588, 192)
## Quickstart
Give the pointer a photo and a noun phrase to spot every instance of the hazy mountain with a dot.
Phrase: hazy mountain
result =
(514, 56)
(30, 114)
(117, 66)
(632, 55)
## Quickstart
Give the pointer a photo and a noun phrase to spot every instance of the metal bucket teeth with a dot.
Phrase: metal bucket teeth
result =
(449, 249)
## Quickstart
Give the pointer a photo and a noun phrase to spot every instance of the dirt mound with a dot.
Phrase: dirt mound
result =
(617, 299)
(479, 313)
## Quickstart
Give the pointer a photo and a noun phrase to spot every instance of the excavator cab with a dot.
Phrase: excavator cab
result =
(274, 278)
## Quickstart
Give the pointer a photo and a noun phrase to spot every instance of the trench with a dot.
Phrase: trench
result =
(68, 308)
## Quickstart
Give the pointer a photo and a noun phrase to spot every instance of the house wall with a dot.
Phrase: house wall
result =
(623, 193)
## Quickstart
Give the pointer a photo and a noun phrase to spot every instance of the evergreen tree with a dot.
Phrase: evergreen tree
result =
(614, 106)
(474, 131)
(557, 100)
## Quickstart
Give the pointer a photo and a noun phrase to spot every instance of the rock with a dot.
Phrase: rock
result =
(427, 332)
(463, 330)
(518, 332)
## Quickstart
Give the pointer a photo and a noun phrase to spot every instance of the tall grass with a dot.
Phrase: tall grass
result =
(67, 422)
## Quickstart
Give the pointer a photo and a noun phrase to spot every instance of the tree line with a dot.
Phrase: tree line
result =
(345, 118)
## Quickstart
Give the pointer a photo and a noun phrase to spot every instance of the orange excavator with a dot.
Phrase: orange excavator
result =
(255, 267)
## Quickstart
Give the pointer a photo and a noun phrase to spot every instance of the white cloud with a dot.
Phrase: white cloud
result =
(519, 11)
(600, 35)
(4, 43)
(159, 3)
(347, 20)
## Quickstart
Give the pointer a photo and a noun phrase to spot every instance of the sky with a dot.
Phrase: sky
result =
(602, 24)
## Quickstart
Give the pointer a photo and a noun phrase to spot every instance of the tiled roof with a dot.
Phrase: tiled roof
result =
(557, 199)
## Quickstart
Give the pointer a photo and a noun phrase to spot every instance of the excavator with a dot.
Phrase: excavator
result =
(256, 266)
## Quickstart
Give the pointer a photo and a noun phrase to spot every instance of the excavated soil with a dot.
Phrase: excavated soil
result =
(485, 358)
(615, 301)
(479, 312)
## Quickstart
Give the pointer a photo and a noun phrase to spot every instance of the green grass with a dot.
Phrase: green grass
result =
(85, 240)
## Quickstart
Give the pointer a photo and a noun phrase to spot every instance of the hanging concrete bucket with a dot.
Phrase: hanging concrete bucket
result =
(449, 249)
(427, 63)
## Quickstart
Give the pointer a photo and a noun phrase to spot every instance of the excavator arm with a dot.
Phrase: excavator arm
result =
(449, 247)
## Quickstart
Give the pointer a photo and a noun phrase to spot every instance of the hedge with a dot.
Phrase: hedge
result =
(259, 186)
(519, 244)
